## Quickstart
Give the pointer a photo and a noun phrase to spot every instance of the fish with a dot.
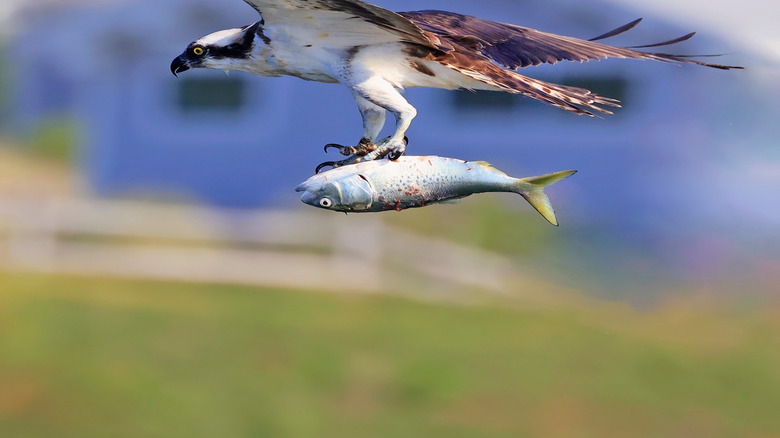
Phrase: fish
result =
(418, 181)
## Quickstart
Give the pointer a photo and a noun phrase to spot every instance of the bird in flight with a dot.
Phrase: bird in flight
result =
(376, 53)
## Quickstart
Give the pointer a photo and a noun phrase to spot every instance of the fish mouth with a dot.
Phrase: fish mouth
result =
(308, 198)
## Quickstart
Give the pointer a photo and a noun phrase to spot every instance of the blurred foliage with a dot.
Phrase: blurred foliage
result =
(503, 222)
(95, 358)
(55, 138)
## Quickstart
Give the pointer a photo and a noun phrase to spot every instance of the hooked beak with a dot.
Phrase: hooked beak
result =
(179, 65)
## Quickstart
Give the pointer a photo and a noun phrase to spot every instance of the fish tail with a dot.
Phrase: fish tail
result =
(532, 189)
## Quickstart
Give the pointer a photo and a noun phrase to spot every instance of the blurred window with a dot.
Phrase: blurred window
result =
(612, 87)
(211, 94)
(56, 92)
(485, 100)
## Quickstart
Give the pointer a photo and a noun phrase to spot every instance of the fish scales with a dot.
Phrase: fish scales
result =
(422, 180)
(417, 181)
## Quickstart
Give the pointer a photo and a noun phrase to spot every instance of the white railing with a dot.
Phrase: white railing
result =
(308, 249)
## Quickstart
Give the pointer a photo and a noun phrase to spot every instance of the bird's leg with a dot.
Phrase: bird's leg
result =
(383, 94)
(372, 95)
(395, 145)
(373, 121)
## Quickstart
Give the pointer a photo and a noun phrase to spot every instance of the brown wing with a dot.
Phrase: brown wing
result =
(516, 46)
(577, 100)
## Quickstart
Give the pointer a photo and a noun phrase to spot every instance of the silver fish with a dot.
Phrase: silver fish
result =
(411, 181)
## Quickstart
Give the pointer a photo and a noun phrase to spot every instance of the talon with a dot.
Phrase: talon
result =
(325, 164)
(395, 155)
(366, 150)
(363, 147)
(344, 150)
(406, 140)
(334, 164)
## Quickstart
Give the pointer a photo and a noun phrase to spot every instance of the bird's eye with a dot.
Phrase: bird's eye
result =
(325, 202)
(198, 51)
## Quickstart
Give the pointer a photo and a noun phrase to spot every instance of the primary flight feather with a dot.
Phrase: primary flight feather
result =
(376, 52)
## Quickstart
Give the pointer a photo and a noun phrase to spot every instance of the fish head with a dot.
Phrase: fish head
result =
(338, 191)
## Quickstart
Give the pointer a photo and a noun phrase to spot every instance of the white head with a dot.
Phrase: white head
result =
(229, 49)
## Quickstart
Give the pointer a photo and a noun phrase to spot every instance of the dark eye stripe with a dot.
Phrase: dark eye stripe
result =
(236, 50)
(239, 50)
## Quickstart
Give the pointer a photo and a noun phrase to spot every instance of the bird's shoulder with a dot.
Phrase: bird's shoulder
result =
(340, 17)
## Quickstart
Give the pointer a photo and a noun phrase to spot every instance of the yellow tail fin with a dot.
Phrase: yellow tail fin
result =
(532, 189)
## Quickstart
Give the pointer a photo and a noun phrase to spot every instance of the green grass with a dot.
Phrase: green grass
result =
(86, 357)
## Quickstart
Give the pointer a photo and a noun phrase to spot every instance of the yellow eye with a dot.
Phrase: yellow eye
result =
(198, 51)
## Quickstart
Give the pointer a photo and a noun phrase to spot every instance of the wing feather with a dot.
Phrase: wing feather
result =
(515, 46)
(614, 32)
(282, 12)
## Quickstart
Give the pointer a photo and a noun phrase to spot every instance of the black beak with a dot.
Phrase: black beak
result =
(179, 65)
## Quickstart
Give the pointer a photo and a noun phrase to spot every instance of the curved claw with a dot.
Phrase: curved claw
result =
(364, 151)
(344, 150)
(395, 155)
(364, 147)
(334, 146)
(392, 151)
(325, 164)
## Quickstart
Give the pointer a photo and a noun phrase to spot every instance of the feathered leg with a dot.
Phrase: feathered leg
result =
(373, 93)
(373, 121)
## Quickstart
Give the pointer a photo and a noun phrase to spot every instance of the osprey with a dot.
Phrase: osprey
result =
(375, 53)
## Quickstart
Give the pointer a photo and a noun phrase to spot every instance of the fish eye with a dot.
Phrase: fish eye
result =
(326, 203)
(198, 50)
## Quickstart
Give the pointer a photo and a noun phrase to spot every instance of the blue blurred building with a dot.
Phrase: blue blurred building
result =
(244, 141)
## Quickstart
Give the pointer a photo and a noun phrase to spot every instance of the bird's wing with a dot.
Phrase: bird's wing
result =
(346, 18)
(516, 46)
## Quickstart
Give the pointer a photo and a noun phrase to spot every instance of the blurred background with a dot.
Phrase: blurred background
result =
(160, 277)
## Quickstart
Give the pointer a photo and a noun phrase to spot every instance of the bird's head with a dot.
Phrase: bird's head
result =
(228, 49)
